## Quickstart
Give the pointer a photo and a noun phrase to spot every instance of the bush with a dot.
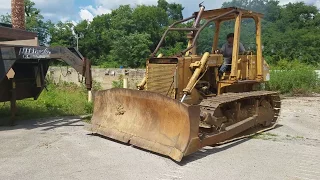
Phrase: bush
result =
(118, 83)
(111, 64)
(293, 78)
(88, 107)
(61, 99)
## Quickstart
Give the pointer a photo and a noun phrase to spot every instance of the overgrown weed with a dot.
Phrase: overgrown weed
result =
(293, 78)
(60, 99)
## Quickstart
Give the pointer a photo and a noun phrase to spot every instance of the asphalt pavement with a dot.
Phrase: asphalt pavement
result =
(62, 148)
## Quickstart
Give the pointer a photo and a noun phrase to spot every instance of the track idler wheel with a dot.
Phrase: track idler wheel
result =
(265, 113)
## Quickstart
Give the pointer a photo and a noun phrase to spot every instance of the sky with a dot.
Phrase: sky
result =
(77, 10)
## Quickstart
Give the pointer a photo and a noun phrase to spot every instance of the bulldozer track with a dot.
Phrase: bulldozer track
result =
(211, 104)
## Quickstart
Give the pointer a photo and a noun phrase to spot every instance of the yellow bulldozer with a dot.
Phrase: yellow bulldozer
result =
(183, 104)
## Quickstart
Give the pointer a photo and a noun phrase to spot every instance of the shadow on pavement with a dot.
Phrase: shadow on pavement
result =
(208, 151)
(45, 124)
(108, 139)
(202, 153)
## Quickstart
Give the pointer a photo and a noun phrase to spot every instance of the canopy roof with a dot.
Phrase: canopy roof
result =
(218, 12)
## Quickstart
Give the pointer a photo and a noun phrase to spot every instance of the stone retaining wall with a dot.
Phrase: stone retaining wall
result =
(104, 77)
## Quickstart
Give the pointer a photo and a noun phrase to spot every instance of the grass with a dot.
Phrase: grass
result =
(266, 136)
(271, 134)
(63, 99)
(118, 83)
(276, 137)
(293, 78)
(87, 119)
(288, 137)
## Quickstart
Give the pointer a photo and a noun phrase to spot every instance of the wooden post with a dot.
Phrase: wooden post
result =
(88, 76)
(125, 83)
(89, 96)
(13, 104)
(235, 53)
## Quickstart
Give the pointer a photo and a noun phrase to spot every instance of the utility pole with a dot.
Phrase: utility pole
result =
(77, 38)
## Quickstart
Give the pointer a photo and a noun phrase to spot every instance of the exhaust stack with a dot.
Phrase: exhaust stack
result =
(18, 14)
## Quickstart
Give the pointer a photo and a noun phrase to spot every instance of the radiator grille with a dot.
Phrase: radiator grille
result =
(160, 79)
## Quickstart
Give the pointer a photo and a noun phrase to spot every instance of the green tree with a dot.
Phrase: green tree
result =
(150, 20)
(35, 22)
(62, 34)
(163, 4)
(5, 18)
(204, 43)
(97, 38)
(173, 10)
(131, 51)
(294, 34)
(122, 20)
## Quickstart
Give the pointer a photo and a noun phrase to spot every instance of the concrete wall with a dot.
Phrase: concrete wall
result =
(104, 77)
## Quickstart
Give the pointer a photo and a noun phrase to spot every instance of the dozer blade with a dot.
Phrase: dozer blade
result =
(147, 120)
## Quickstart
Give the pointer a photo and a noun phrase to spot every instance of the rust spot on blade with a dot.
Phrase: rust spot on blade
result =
(120, 110)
